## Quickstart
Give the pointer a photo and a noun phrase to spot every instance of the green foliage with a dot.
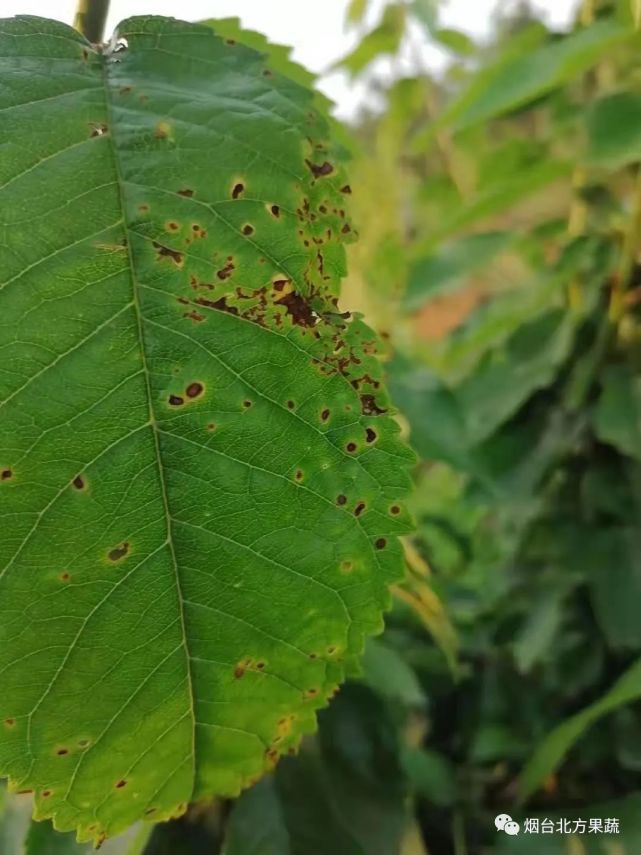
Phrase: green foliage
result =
(516, 338)
(556, 745)
(202, 489)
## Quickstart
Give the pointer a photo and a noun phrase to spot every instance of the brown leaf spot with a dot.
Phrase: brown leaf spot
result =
(341, 500)
(290, 405)
(319, 170)
(143, 208)
(6, 474)
(370, 435)
(194, 390)
(9, 722)
(237, 190)
(298, 309)
(248, 229)
(247, 404)
(346, 189)
(299, 475)
(346, 566)
(194, 316)
(220, 304)
(211, 427)
(61, 752)
(65, 576)
(239, 670)
(79, 482)
(167, 252)
(122, 783)
(226, 271)
(172, 226)
(358, 510)
(369, 407)
(176, 401)
(186, 192)
(351, 447)
(274, 210)
(325, 415)
(395, 510)
(118, 552)
(45, 794)
(381, 543)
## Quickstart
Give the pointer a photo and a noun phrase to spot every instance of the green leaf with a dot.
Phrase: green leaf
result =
(201, 484)
(614, 130)
(551, 751)
(507, 376)
(426, 11)
(431, 774)
(611, 557)
(356, 11)
(448, 267)
(521, 77)
(256, 824)
(538, 633)
(455, 40)
(617, 417)
(387, 673)
(343, 794)
(383, 39)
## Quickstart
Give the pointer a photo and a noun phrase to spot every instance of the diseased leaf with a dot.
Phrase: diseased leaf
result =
(201, 485)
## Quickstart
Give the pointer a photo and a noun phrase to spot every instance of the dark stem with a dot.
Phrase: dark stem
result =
(90, 19)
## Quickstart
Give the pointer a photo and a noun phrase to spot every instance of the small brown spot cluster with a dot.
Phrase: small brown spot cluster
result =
(193, 391)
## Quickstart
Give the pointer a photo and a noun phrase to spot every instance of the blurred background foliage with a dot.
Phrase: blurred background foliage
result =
(499, 210)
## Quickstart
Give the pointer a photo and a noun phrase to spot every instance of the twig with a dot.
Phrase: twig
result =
(90, 19)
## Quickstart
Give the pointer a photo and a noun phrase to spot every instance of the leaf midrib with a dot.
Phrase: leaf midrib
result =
(152, 415)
